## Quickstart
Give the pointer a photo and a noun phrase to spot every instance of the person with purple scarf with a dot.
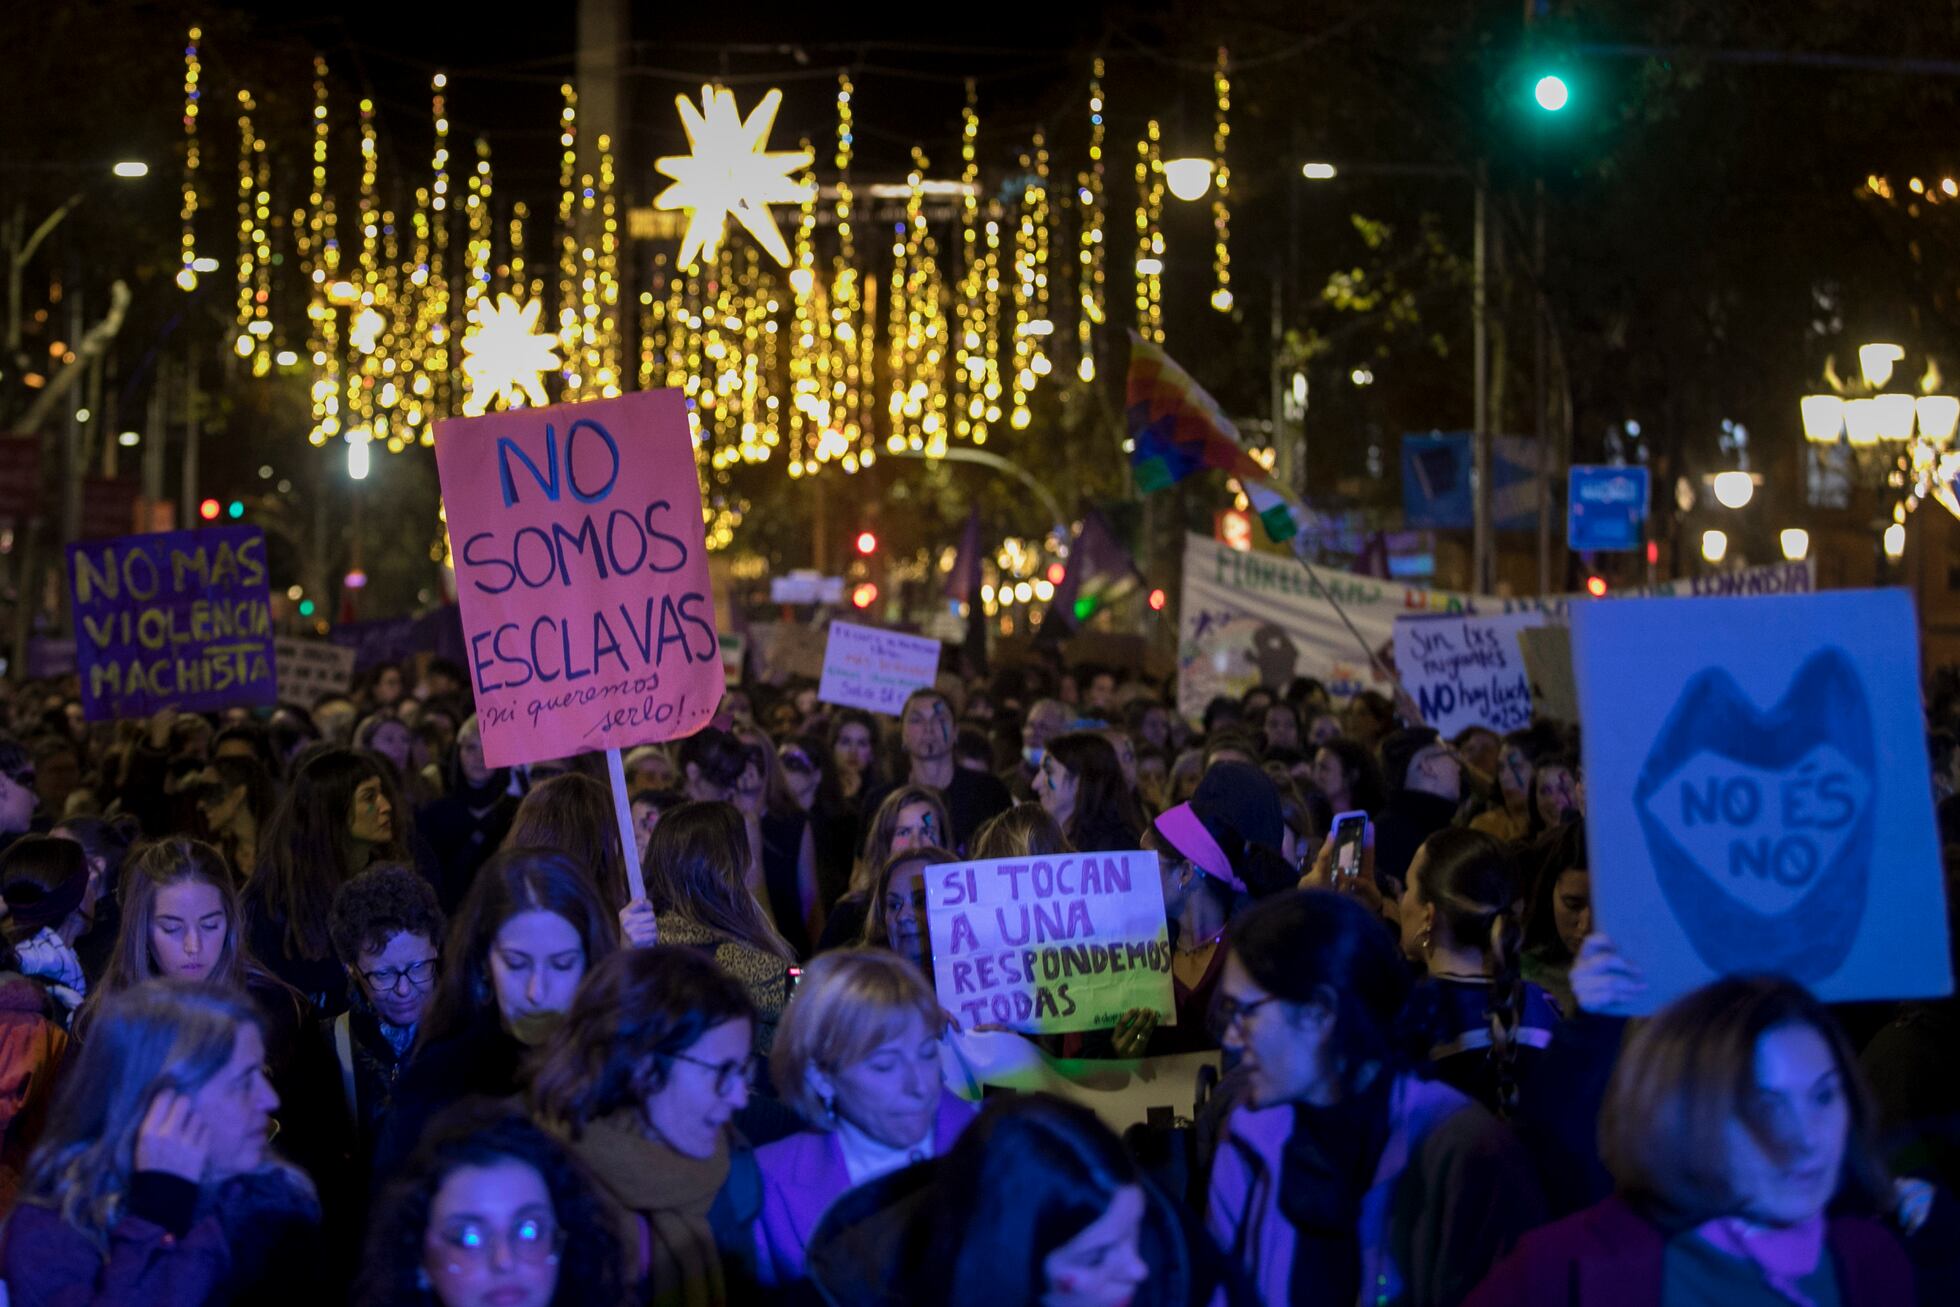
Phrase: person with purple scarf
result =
(1737, 1129)
(858, 1054)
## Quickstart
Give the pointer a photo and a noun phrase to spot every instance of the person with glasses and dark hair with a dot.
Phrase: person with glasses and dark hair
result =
(492, 1209)
(643, 1080)
(1340, 1177)
(387, 931)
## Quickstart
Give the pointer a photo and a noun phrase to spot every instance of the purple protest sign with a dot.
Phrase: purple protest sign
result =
(178, 619)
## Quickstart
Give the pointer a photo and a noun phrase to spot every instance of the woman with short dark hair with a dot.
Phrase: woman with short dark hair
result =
(642, 1080)
(487, 1177)
(1738, 1131)
(1341, 1177)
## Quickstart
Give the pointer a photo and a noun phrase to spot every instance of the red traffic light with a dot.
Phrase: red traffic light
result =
(1596, 586)
(1157, 601)
(209, 510)
(867, 544)
(864, 595)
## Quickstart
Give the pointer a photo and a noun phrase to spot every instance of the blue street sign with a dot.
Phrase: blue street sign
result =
(1606, 508)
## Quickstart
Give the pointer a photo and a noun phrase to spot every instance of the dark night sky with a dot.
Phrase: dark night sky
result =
(1031, 61)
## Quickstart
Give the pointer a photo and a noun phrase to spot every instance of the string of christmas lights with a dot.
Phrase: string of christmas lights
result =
(193, 74)
(1221, 212)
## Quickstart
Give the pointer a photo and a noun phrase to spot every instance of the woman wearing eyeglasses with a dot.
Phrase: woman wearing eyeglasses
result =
(1341, 1177)
(491, 1212)
(643, 1080)
(387, 930)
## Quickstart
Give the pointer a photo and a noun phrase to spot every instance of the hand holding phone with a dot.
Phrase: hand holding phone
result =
(1348, 839)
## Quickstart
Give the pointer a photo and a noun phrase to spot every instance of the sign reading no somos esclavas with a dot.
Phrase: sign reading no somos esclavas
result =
(582, 575)
(1050, 945)
(178, 619)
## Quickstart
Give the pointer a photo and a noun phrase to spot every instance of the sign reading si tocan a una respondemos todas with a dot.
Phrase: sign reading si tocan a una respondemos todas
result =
(177, 619)
(1048, 945)
(582, 574)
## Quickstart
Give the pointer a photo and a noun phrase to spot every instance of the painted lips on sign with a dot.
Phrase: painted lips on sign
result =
(1760, 823)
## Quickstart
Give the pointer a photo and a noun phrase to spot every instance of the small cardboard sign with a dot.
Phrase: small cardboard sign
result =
(1757, 792)
(177, 619)
(1050, 945)
(1466, 670)
(582, 575)
(1548, 662)
(864, 667)
(309, 670)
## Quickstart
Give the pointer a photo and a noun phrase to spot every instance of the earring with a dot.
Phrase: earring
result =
(1423, 939)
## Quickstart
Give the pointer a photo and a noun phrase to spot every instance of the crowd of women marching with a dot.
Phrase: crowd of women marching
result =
(313, 1006)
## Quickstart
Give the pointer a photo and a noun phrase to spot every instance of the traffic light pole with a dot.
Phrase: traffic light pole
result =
(1540, 372)
(1482, 567)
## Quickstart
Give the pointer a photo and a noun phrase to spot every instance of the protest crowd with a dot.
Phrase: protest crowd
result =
(311, 1005)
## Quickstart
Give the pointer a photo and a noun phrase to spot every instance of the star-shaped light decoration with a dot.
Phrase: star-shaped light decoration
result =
(729, 174)
(503, 356)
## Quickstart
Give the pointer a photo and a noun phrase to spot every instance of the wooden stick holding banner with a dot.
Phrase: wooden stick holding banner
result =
(636, 881)
(1402, 696)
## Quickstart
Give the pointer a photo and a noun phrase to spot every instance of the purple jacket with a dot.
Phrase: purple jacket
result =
(1611, 1256)
(804, 1174)
(1451, 1193)
(49, 1263)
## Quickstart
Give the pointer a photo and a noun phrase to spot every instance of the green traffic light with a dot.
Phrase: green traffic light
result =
(306, 608)
(237, 508)
(1551, 93)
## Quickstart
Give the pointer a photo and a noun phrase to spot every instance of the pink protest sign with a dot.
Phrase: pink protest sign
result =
(582, 573)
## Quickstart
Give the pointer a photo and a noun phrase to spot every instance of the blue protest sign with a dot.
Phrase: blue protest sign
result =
(178, 619)
(1606, 508)
(1757, 792)
(1437, 479)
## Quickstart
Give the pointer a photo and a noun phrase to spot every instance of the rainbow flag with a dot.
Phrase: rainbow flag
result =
(1176, 428)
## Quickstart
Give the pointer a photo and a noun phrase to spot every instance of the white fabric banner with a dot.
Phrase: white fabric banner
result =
(1253, 618)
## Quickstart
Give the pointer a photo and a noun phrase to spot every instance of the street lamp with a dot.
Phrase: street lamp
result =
(1551, 93)
(1895, 541)
(1796, 543)
(1188, 178)
(1319, 172)
(1734, 489)
(131, 168)
(1714, 545)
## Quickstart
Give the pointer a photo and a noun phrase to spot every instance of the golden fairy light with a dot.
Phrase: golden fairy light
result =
(1221, 213)
(193, 74)
(1150, 236)
(729, 174)
(1090, 274)
(248, 145)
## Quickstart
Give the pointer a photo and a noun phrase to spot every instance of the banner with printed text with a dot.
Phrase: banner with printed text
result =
(1050, 945)
(582, 575)
(178, 619)
(864, 667)
(1248, 619)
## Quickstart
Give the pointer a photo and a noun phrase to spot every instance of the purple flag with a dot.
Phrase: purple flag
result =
(1096, 553)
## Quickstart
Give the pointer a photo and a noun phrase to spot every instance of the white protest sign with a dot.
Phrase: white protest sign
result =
(1050, 945)
(1757, 793)
(308, 669)
(864, 667)
(1466, 671)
